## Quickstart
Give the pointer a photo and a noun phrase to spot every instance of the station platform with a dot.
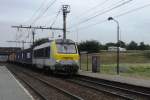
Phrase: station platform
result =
(117, 78)
(10, 88)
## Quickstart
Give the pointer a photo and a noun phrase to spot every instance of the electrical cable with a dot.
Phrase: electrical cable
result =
(84, 21)
(91, 9)
(55, 19)
(37, 10)
(109, 7)
(42, 13)
(133, 10)
(117, 16)
(101, 10)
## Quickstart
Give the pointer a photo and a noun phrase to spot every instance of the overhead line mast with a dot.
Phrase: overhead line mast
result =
(65, 10)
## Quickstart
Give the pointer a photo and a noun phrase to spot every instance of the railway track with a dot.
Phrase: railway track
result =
(125, 91)
(43, 96)
(86, 88)
(81, 92)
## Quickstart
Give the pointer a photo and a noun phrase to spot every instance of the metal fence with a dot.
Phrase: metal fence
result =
(90, 62)
(132, 63)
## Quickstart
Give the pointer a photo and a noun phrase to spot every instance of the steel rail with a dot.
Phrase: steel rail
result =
(30, 86)
(72, 96)
(116, 87)
(101, 90)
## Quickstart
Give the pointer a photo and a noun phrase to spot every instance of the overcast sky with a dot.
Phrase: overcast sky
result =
(133, 26)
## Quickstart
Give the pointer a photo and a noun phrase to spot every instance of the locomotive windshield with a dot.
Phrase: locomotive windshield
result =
(66, 48)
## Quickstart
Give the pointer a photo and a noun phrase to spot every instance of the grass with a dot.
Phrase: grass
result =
(132, 64)
(138, 71)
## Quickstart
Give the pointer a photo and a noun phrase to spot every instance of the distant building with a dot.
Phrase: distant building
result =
(5, 51)
(3, 58)
(115, 49)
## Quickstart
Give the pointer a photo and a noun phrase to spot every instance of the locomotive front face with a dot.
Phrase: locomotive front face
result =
(67, 57)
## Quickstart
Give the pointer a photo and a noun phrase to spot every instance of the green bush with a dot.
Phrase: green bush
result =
(91, 46)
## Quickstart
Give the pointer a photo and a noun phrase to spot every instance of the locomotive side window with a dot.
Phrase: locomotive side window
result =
(28, 55)
(44, 52)
(22, 55)
(47, 52)
(35, 53)
(39, 53)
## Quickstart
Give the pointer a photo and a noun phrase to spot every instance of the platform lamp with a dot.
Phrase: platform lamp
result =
(109, 19)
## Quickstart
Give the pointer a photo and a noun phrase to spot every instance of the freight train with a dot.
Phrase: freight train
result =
(59, 55)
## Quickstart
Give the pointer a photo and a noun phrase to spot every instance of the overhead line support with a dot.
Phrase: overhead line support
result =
(33, 29)
(65, 10)
(39, 27)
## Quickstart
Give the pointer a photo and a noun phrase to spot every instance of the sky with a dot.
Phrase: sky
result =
(133, 26)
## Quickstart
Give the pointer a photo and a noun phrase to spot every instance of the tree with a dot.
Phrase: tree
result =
(109, 44)
(103, 47)
(132, 46)
(122, 44)
(142, 46)
(92, 46)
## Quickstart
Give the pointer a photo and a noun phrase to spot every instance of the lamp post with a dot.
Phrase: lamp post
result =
(111, 18)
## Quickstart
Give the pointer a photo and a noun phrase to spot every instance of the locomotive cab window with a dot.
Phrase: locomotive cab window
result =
(44, 52)
(66, 48)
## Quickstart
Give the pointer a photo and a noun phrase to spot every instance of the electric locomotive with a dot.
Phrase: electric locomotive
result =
(57, 55)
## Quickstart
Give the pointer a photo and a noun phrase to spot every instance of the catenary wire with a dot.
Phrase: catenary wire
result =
(93, 13)
(102, 9)
(36, 12)
(42, 13)
(90, 18)
(117, 16)
(55, 19)
(91, 9)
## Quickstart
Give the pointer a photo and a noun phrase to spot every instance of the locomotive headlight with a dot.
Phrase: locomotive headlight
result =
(76, 61)
(57, 61)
